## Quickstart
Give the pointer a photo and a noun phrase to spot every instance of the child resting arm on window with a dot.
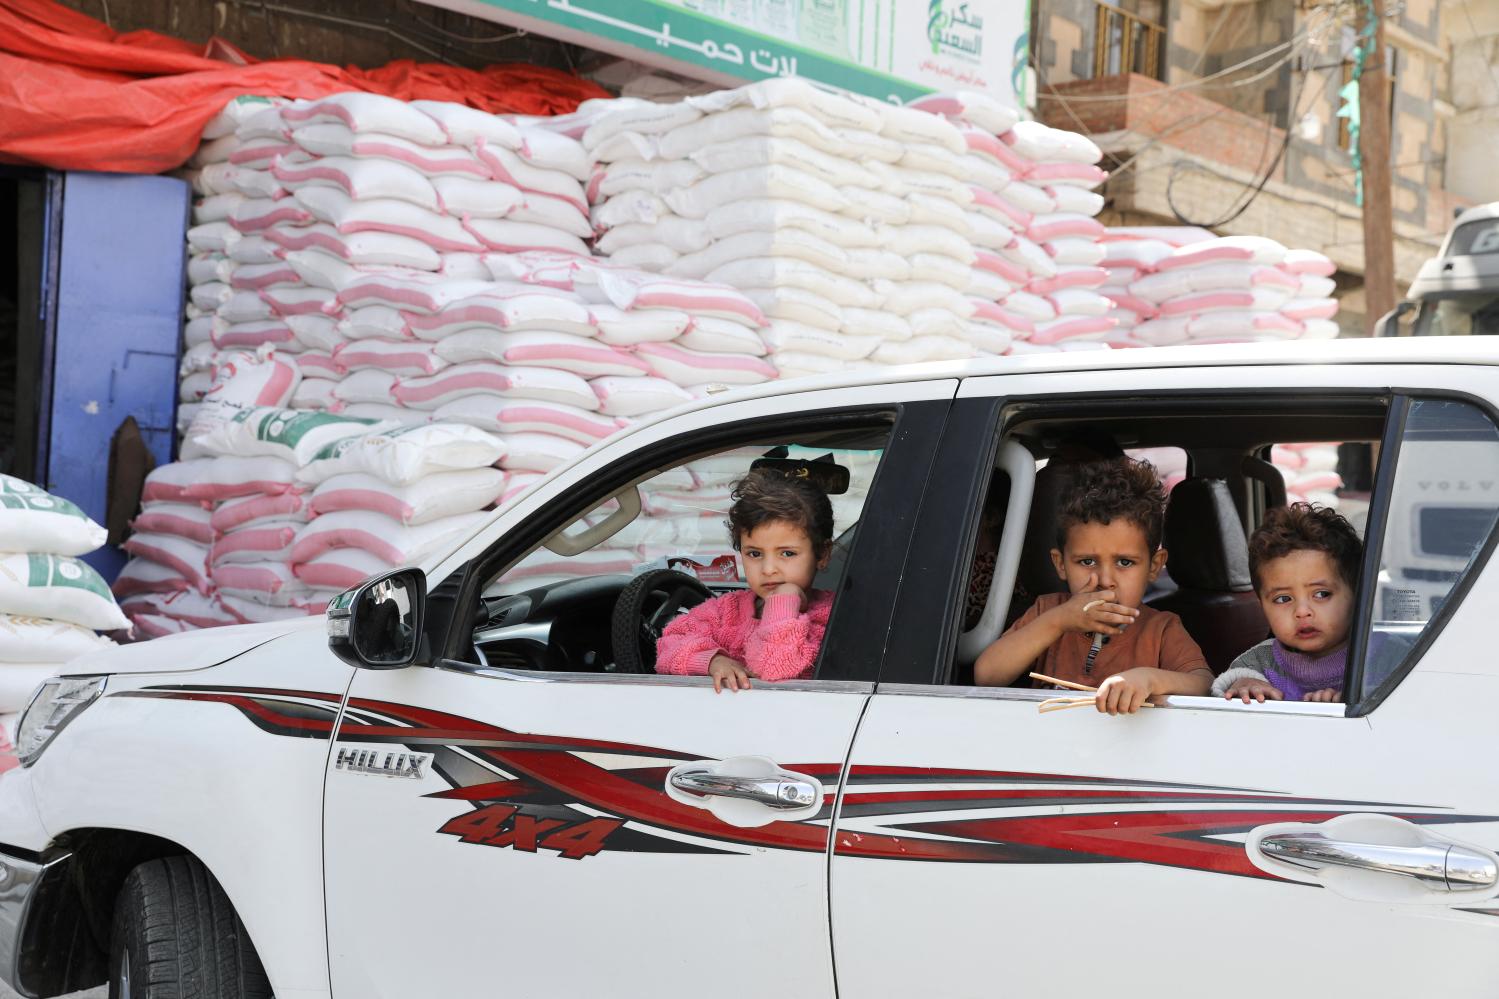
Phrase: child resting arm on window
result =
(1108, 551)
(1304, 561)
(783, 530)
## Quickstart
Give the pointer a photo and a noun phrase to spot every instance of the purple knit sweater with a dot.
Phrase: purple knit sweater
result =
(1296, 674)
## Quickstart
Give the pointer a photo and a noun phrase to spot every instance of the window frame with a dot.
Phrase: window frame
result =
(853, 653)
(962, 492)
(1379, 510)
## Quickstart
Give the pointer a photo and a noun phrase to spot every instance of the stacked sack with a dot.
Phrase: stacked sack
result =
(1184, 285)
(179, 543)
(51, 603)
(386, 247)
(287, 507)
(1036, 272)
(1310, 471)
(844, 220)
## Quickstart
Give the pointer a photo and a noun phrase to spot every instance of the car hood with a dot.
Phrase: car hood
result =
(189, 650)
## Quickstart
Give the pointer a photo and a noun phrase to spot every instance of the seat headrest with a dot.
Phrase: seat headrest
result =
(1205, 539)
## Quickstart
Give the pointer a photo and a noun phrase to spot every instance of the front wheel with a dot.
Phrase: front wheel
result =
(176, 935)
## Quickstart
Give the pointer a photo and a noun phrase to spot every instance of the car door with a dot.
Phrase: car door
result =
(510, 823)
(1201, 846)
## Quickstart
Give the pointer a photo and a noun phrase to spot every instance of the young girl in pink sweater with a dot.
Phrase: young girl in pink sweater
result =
(783, 530)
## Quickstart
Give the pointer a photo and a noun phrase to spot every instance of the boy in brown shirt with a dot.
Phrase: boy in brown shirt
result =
(1108, 550)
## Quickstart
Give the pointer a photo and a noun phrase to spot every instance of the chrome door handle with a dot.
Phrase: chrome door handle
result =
(773, 792)
(1441, 867)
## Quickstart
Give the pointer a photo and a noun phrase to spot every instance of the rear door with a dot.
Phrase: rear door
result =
(1325, 849)
(510, 823)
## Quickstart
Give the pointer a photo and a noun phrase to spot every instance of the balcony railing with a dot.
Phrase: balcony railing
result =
(1127, 43)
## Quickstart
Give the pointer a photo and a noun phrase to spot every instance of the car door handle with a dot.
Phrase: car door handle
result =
(773, 792)
(1444, 867)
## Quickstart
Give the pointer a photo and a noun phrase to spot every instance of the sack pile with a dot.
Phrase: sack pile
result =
(51, 603)
(283, 508)
(1174, 286)
(409, 257)
(1036, 271)
(844, 220)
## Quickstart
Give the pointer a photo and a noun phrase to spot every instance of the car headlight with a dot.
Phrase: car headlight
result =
(56, 702)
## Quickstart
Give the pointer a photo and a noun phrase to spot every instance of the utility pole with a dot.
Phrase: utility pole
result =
(1374, 149)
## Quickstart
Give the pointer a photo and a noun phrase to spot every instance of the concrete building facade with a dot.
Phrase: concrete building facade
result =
(1226, 116)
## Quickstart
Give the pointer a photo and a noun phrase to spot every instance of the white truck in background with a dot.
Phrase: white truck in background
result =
(1456, 293)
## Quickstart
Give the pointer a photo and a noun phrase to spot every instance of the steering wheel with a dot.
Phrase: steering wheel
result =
(646, 605)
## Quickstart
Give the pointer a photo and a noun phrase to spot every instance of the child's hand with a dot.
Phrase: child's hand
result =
(1094, 610)
(1252, 690)
(727, 673)
(1123, 693)
(1325, 696)
(790, 588)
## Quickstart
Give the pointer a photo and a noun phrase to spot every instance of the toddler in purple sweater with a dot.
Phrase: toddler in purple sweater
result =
(1304, 561)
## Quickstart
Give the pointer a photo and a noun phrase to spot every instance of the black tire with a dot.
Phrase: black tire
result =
(634, 630)
(177, 937)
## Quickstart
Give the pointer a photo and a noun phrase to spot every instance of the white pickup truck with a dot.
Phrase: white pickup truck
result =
(468, 780)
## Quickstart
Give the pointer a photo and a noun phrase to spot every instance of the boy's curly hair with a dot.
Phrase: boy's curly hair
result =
(1101, 492)
(1303, 527)
(764, 496)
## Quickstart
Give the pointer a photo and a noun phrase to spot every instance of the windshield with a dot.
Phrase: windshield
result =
(1470, 314)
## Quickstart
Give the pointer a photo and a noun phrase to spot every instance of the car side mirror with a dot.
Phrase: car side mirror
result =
(1389, 323)
(378, 624)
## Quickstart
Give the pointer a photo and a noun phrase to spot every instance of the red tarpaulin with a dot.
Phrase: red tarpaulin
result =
(77, 95)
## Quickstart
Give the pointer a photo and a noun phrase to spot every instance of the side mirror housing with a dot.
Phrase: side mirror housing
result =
(1389, 323)
(378, 624)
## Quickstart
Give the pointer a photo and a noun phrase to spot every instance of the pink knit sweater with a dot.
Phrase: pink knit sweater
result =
(781, 644)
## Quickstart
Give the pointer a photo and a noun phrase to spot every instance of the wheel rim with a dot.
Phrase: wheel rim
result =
(124, 973)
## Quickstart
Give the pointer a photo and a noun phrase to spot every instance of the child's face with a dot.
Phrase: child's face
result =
(1114, 556)
(1308, 605)
(778, 552)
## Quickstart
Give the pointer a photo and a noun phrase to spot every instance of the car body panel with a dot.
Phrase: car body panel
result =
(174, 756)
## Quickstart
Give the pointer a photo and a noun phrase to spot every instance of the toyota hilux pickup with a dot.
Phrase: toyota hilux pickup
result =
(468, 779)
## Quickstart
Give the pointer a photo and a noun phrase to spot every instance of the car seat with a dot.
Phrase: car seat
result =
(1209, 561)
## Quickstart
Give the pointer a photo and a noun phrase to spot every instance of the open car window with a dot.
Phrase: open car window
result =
(569, 604)
(680, 521)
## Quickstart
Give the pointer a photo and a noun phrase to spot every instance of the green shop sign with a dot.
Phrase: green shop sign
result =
(893, 50)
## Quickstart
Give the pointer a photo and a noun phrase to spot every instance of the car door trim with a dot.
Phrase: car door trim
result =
(647, 679)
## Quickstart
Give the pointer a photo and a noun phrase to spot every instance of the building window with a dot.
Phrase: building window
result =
(1128, 42)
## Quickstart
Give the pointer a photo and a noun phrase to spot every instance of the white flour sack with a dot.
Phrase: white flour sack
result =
(185, 520)
(144, 576)
(441, 494)
(717, 190)
(690, 367)
(188, 558)
(33, 520)
(289, 434)
(536, 312)
(59, 588)
(485, 377)
(363, 112)
(516, 416)
(647, 291)
(627, 397)
(18, 681)
(341, 568)
(39, 640)
(362, 179)
(538, 452)
(402, 456)
(577, 354)
(382, 536)
(255, 509)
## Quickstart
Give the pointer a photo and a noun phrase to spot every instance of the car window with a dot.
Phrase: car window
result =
(1443, 504)
(599, 586)
(682, 521)
(1219, 473)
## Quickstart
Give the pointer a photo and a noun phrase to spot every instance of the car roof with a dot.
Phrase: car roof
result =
(1361, 350)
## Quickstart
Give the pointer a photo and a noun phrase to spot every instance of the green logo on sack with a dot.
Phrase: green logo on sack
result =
(42, 502)
(64, 573)
(289, 426)
(10, 484)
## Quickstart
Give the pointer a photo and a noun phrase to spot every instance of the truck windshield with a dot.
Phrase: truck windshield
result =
(1469, 314)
